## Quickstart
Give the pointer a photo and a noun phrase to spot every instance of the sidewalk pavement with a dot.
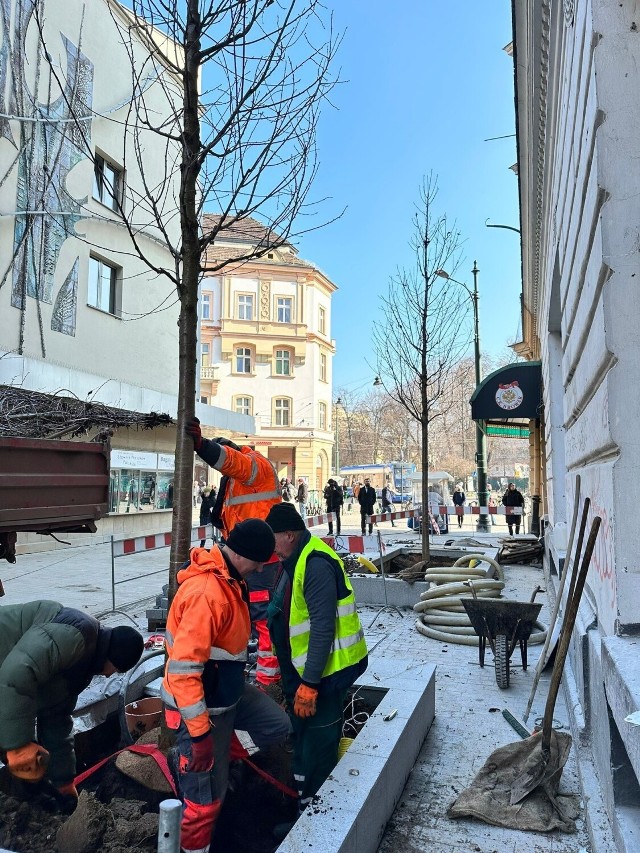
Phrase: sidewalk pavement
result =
(468, 724)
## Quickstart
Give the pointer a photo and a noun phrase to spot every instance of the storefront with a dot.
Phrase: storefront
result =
(140, 481)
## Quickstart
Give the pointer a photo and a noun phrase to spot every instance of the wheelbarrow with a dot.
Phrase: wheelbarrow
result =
(503, 624)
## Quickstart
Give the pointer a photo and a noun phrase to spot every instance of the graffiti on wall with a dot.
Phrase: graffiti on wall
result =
(49, 145)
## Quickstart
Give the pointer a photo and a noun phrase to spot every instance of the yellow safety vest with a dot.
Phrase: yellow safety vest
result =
(349, 646)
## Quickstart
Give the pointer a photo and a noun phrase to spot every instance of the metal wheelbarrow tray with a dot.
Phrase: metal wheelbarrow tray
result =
(504, 624)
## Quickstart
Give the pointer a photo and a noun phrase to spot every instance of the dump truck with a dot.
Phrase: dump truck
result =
(50, 486)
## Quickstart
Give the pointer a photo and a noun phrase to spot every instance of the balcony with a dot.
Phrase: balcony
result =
(209, 374)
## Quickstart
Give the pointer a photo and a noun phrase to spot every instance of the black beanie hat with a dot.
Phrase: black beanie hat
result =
(252, 539)
(125, 647)
(283, 517)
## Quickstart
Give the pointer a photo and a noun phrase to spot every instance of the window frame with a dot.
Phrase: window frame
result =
(206, 298)
(205, 350)
(114, 281)
(100, 192)
(247, 299)
(250, 356)
(289, 359)
(289, 302)
(322, 320)
(279, 411)
(323, 412)
(324, 364)
(239, 410)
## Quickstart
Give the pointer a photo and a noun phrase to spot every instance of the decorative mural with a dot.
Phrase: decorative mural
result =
(50, 144)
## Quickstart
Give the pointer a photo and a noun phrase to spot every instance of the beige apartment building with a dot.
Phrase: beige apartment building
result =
(266, 350)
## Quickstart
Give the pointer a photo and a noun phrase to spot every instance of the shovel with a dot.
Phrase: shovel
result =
(544, 763)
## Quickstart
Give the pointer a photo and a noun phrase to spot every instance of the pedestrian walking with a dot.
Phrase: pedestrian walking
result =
(513, 500)
(204, 689)
(285, 490)
(459, 499)
(334, 499)
(387, 501)
(367, 500)
(302, 497)
(206, 508)
(320, 644)
(248, 489)
(49, 654)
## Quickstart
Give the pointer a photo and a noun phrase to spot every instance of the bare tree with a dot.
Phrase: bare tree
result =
(423, 333)
(247, 79)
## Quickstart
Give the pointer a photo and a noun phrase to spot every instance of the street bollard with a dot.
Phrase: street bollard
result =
(170, 816)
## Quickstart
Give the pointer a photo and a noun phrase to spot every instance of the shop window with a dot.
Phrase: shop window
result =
(283, 362)
(102, 291)
(243, 360)
(282, 411)
(245, 306)
(284, 309)
(107, 182)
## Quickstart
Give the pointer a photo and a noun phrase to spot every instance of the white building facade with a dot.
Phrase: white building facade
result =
(578, 121)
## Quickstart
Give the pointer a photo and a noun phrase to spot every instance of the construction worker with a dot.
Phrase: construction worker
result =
(320, 645)
(204, 689)
(48, 655)
(248, 489)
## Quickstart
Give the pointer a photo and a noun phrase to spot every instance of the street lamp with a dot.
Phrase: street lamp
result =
(337, 436)
(481, 447)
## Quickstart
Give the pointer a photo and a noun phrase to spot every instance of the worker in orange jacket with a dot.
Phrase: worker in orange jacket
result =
(249, 488)
(204, 689)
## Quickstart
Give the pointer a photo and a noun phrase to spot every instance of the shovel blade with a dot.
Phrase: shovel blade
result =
(541, 768)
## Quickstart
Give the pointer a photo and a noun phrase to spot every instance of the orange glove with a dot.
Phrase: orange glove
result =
(304, 702)
(28, 762)
(68, 790)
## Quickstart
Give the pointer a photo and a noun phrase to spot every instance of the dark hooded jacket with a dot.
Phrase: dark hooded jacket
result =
(48, 655)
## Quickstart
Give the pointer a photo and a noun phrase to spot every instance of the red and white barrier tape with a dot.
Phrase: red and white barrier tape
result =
(124, 547)
(315, 520)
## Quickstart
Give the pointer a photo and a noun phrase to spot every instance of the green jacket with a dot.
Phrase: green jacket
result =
(48, 655)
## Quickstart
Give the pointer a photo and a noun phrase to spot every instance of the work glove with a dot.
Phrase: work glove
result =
(192, 429)
(201, 753)
(67, 797)
(304, 702)
(28, 762)
(226, 442)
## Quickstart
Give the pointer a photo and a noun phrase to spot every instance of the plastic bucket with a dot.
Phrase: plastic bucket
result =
(143, 715)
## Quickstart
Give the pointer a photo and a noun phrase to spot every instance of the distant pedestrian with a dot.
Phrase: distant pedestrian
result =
(302, 497)
(514, 502)
(387, 501)
(459, 499)
(196, 492)
(334, 498)
(206, 508)
(285, 488)
(367, 500)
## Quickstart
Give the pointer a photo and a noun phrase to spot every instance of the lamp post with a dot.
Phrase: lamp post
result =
(481, 447)
(337, 436)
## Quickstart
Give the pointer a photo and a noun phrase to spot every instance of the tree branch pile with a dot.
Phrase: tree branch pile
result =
(30, 414)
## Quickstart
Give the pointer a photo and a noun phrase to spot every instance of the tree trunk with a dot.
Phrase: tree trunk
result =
(426, 521)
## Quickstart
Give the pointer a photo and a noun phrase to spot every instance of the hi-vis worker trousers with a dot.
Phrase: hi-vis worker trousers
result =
(203, 793)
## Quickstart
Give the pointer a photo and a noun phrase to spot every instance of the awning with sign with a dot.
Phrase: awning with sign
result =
(506, 400)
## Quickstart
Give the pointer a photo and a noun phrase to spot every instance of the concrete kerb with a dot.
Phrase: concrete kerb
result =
(352, 808)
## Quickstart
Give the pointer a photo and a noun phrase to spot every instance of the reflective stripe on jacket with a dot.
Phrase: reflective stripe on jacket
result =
(349, 646)
(208, 629)
(253, 486)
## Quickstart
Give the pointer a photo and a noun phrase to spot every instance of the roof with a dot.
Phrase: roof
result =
(248, 231)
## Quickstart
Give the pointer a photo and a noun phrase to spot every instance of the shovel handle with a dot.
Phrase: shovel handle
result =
(567, 630)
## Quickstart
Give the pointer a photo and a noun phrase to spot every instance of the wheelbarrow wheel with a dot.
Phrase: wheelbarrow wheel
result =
(502, 661)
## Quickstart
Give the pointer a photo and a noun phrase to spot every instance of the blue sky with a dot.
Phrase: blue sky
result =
(426, 83)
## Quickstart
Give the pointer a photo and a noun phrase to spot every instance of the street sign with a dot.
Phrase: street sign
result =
(507, 431)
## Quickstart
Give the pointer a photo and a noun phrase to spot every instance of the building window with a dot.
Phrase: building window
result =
(103, 283)
(323, 367)
(204, 400)
(245, 306)
(283, 362)
(204, 355)
(322, 321)
(243, 360)
(242, 405)
(205, 306)
(322, 415)
(107, 183)
(284, 309)
(283, 411)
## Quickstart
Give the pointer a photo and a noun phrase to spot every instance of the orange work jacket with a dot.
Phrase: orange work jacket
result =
(208, 628)
(253, 486)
